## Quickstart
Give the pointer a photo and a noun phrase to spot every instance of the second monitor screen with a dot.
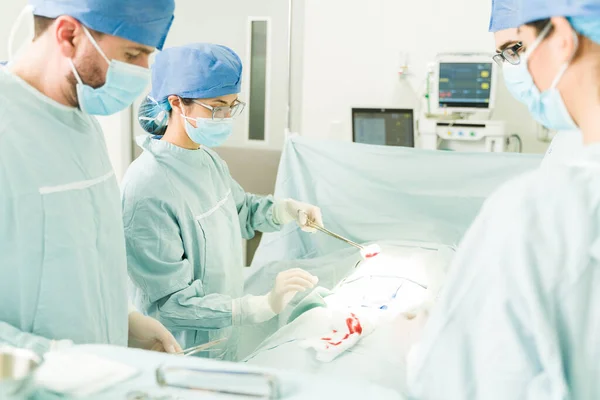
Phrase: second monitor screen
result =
(465, 85)
(384, 127)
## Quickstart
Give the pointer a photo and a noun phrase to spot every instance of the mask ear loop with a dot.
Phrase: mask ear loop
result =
(95, 44)
(565, 66)
(183, 111)
(25, 12)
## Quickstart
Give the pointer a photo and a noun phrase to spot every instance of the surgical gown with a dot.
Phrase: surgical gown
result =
(519, 317)
(185, 218)
(565, 147)
(62, 253)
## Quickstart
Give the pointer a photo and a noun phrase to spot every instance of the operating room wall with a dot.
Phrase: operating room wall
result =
(352, 51)
(10, 11)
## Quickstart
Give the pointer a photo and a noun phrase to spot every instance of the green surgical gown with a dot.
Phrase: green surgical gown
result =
(185, 218)
(62, 253)
(519, 317)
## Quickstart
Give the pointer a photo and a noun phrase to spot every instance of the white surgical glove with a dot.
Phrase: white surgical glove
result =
(288, 210)
(287, 284)
(257, 309)
(149, 334)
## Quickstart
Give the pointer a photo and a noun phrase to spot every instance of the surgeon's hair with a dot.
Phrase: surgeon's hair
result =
(42, 24)
(540, 24)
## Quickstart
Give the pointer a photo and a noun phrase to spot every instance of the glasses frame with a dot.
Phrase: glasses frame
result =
(500, 57)
(227, 110)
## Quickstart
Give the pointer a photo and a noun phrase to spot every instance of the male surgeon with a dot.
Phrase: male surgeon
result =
(63, 271)
(567, 144)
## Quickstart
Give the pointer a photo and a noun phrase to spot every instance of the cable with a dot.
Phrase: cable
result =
(518, 138)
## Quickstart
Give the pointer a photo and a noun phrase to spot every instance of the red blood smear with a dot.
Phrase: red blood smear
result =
(371, 255)
(353, 325)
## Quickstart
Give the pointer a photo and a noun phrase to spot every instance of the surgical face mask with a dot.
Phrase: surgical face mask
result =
(546, 107)
(208, 132)
(124, 83)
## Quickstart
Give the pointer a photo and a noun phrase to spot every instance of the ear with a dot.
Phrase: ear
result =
(564, 38)
(67, 33)
(175, 102)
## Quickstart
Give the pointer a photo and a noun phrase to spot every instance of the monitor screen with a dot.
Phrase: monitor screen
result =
(465, 85)
(385, 127)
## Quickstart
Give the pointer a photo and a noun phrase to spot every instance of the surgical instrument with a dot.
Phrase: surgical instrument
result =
(175, 377)
(365, 252)
(197, 349)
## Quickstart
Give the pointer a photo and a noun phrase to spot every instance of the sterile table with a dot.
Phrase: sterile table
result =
(293, 385)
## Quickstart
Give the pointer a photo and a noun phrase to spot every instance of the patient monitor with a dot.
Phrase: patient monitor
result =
(461, 99)
(383, 126)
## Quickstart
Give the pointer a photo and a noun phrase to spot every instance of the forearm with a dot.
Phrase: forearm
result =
(12, 336)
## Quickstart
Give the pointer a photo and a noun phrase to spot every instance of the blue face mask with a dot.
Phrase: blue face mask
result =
(124, 83)
(546, 107)
(208, 132)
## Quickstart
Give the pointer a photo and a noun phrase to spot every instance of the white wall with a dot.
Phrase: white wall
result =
(117, 131)
(351, 54)
(10, 11)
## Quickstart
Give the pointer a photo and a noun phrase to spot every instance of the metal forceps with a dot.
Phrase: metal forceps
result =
(311, 224)
(202, 347)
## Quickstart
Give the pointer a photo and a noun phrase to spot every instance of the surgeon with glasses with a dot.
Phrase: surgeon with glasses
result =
(185, 216)
(518, 315)
(568, 141)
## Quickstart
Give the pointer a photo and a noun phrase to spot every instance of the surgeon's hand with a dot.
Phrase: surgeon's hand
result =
(288, 210)
(287, 284)
(149, 334)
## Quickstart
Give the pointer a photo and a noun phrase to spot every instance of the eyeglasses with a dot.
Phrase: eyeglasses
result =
(510, 54)
(221, 113)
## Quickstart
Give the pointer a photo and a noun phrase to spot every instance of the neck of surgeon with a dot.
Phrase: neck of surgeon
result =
(43, 68)
(585, 104)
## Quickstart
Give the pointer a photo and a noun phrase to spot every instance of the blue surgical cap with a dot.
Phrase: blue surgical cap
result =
(196, 71)
(145, 22)
(535, 10)
(588, 26)
(505, 14)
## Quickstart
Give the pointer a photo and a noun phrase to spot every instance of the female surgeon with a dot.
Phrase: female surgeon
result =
(566, 144)
(185, 216)
(519, 317)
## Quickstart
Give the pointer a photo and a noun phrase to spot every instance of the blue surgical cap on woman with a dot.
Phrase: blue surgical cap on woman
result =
(584, 15)
(505, 14)
(194, 71)
(145, 22)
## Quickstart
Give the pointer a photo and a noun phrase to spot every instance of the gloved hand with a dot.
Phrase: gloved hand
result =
(287, 284)
(149, 334)
(288, 210)
(250, 310)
